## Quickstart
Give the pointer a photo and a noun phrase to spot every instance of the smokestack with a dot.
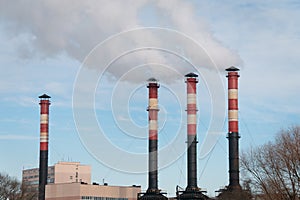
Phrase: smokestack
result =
(152, 117)
(44, 121)
(152, 192)
(234, 189)
(233, 129)
(191, 81)
(192, 191)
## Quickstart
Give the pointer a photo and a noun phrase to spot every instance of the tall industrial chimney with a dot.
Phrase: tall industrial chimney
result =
(153, 193)
(44, 121)
(233, 129)
(191, 82)
(192, 191)
(234, 190)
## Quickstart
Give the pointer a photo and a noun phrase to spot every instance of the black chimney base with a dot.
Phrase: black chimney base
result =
(152, 195)
(234, 194)
(191, 195)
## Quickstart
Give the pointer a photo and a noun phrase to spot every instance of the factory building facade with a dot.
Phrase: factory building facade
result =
(61, 172)
(81, 191)
(72, 180)
(69, 172)
(30, 177)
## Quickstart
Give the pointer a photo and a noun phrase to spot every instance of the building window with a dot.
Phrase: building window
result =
(50, 180)
(101, 198)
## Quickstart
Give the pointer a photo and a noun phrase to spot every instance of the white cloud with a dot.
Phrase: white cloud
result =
(76, 27)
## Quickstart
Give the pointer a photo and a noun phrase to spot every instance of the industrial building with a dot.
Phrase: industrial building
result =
(61, 172)
(80, 191)
(30, 177)
(72, 180)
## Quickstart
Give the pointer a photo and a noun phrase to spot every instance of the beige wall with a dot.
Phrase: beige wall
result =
(59, 173)
(63, 191)
(65, 198)
(75, 191)
(110, 191)
(70, 172)
(62, 172)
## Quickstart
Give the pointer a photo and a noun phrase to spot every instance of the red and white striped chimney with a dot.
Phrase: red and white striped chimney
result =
(153, 131)
(233, 128)
(44, 138)
(153, 193)
(191, 81)
(192, 192)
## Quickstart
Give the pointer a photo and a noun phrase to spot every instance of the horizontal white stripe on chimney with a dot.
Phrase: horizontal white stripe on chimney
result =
(192, 119)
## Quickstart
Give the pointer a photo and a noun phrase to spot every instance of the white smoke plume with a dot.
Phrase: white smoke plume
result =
(74, 28)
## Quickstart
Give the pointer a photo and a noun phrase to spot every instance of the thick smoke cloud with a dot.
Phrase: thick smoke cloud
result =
(53, 27)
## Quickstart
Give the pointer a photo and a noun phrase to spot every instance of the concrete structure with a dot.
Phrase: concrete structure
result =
(44, 135)
(70, 172)
(192, 191)
(62, 172)
(233, 129)
(234, 190)
(72, 181)
(79, 191)
(153, 192)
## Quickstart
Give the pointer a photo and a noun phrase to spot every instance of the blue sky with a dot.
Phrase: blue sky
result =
(93, 59)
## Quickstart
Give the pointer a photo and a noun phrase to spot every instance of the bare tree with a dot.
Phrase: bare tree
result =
(12, 189)
(274, 168)
(9, 187)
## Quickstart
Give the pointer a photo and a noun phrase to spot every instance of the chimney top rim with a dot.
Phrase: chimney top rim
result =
(232, 69)
(44, 96)
(191, 75)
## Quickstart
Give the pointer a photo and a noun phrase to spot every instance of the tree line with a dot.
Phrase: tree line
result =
(12, 189)
(272, 171)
